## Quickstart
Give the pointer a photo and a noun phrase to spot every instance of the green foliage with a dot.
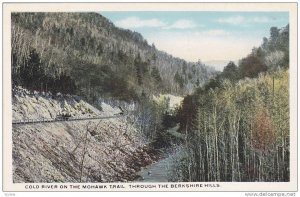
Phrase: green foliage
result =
(187, 112)
(142, 70)
(212, 84)
(179, 79)
(169, 121)
(251, 66)
(155, 74)
(230, 72)
(34, 76)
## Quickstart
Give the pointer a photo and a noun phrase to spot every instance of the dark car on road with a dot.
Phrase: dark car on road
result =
(63, 117)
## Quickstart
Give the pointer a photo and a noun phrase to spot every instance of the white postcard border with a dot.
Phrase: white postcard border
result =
(8, 185)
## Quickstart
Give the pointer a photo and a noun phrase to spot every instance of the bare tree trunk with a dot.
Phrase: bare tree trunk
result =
(237, 146)
(83, 154)
(216, 145)
(259, 169)
(283, 154)
(201, 163)
(237, 159)
(278, 163)
(207, 153)
(225, 160)
(232, 160)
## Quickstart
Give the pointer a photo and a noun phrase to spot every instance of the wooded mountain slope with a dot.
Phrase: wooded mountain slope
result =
(237, 125)
(84, 53)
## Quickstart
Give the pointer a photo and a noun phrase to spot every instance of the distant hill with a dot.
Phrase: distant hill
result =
(86, 54)
(217, 64)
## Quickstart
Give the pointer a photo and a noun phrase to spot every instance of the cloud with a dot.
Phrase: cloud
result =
(182, 24)
(236, 20)
(232, 20)
(135, 22)
(262, 20)
(214, 32)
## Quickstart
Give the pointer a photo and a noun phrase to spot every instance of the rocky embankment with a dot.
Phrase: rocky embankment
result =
(37, 105)
(85, 151)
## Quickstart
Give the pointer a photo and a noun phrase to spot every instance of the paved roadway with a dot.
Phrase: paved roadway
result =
(45, 120)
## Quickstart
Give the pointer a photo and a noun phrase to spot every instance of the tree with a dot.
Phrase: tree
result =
(274, 60)
(274, 33)
(212, 84)
(230, 72)
(265, 43)
(251, 66)
(155, 74)
(235, 133)
(179, 79)
(187, 112)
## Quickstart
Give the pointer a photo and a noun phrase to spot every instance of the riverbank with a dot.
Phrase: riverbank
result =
(161, 170)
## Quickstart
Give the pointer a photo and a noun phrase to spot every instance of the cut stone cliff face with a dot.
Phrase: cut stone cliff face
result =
(36, 105)
(77, 151)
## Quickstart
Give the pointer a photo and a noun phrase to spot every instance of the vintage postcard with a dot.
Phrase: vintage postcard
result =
(150, 97)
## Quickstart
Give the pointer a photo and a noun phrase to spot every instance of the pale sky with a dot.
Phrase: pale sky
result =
(208, 36)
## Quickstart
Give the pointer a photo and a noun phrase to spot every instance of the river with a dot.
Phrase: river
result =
(161, 170)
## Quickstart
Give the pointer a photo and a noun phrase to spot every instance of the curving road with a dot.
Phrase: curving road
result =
(49, 120)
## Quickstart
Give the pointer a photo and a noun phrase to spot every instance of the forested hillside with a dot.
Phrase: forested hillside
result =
(85, 54)
(237, 125)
